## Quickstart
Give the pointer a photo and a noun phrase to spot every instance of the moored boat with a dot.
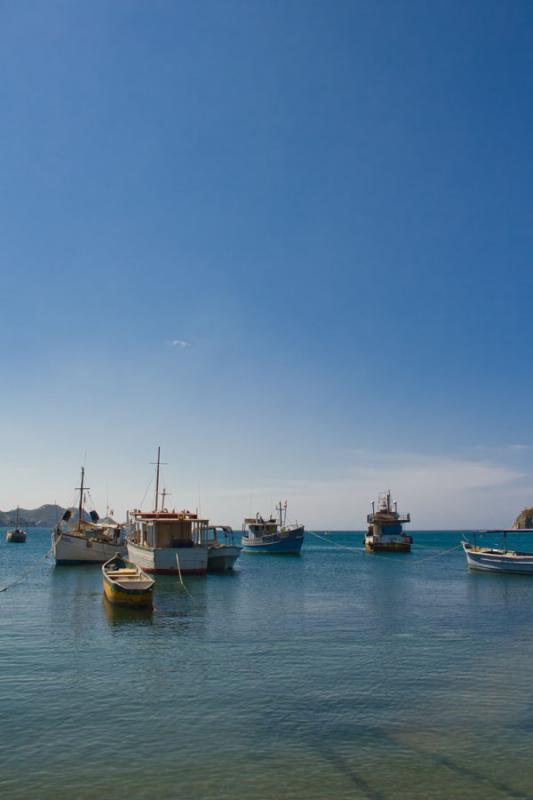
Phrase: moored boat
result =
(497, 559)
(221, 552)
(85, 541)
(167, 542)
(126, 584)
(272, 535)
(385, 528)
(17, 534)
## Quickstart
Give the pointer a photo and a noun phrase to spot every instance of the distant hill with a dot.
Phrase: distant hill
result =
(43, 517)
(524, 519)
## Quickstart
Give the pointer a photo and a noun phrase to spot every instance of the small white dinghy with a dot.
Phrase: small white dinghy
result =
(498, 559)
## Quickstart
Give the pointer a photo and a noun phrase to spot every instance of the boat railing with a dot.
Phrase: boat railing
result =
(377, 517)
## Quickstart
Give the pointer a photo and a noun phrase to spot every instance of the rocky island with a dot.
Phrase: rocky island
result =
(524, 519)
(43, 517)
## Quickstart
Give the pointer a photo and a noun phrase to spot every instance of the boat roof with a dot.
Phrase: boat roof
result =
(177, 516)
(504, 530)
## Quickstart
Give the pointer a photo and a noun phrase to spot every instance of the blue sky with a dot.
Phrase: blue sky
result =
(328, 202)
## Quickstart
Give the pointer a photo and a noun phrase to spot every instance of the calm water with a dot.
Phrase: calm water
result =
(336, 674)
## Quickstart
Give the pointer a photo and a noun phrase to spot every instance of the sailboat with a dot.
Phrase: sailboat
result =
(16, 534)
(85, 541)
(167, 542)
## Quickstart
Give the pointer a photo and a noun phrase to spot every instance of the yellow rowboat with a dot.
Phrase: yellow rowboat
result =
(126, 584)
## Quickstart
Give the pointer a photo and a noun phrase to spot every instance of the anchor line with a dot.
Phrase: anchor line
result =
(360, 550)
(336, 544)
(436, 555)
(179, 574)
(27, 572)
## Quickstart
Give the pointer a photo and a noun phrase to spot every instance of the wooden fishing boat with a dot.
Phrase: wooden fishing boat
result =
(498, 559)
(126, 584)
(85, 539)
(167, 542)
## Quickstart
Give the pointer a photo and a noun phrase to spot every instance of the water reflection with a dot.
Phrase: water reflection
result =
(117, 616)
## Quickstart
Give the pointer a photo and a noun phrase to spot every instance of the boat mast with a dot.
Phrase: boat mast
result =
(157, 477)
(81, 490)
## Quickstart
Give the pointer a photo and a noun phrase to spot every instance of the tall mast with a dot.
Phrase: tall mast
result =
(81, 489)
(157, 477)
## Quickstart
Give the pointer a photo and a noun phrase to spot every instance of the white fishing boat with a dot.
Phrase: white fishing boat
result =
(222, 552)
(86, 541)
(167, 542)
(498, 559)
(17, 534)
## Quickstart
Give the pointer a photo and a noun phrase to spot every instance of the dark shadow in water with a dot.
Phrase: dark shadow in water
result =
(459, 769)
(468, 772)
(437, 759)
(345, 769)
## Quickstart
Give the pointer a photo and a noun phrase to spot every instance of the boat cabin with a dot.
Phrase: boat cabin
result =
(386, 519)
(258, 527)
(167, 529)
(214, 533)
(385, 526)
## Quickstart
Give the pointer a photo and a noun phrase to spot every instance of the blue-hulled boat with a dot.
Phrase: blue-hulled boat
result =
(272, 535)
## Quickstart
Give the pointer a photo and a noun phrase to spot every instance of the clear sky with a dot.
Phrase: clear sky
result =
(290, 242)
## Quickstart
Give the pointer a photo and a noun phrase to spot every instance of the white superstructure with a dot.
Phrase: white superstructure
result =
(171, 542)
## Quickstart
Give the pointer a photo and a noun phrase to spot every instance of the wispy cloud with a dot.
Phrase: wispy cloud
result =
(181, 343)
(441, 491)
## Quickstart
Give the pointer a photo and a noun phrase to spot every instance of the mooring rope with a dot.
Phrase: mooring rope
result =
(179, 575)
(336, 544)
(436, 555)
(27, 572)
(360, 550)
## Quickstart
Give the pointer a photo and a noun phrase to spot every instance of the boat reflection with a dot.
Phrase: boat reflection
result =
(126, 615)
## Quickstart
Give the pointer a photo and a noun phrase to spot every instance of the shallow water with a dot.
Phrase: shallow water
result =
(333, 674)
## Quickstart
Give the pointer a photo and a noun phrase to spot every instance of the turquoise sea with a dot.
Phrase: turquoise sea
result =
(335, 674)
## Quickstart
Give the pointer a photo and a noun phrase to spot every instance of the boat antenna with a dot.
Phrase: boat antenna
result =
(81, 489)
(164, 494)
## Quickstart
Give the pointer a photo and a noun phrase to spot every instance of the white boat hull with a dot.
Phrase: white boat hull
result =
(222, 557)
(71, 549)
(169, 560)
(493, 560)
